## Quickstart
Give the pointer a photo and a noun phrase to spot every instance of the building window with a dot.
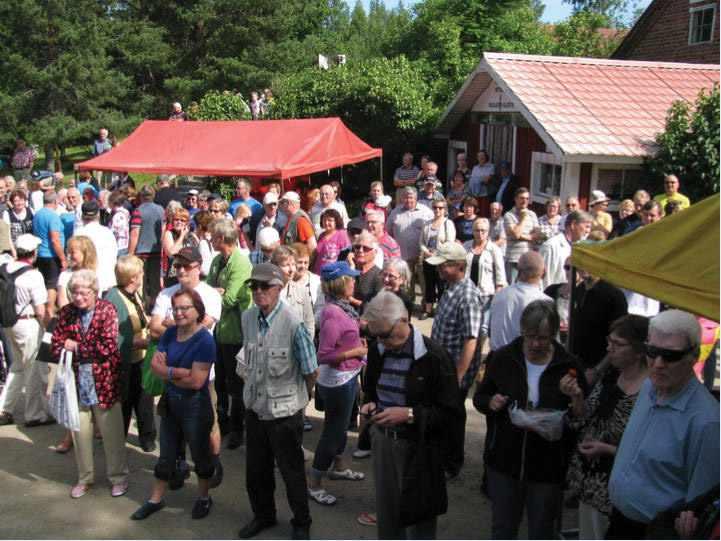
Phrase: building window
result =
(701, 24)
(618, 183)
(547, 175)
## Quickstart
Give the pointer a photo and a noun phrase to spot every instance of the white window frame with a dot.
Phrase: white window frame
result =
(537, 159)
(691, 12)
(613, 204)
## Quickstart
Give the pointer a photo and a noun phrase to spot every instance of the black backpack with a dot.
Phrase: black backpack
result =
(8, 315)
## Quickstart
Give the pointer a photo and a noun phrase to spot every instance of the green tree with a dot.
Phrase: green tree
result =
(221, 106)
(615, 10)
(580, 35)
(689, 147)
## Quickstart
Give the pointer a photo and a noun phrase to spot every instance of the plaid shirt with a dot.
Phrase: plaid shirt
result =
(457, 319)
(303, 348)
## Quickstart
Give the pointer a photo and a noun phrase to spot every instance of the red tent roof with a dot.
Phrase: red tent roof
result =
(261, 148)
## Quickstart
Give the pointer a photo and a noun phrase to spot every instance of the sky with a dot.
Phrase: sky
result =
(556, 10)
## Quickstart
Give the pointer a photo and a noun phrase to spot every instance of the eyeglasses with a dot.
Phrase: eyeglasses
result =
(271, 204)
(182, 309)
(389, 276)
(668, 355)
(255, 286)
(186, 266)
(81, 292)
(359, 247)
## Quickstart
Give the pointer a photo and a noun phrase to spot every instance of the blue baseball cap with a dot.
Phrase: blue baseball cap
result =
(331, 271)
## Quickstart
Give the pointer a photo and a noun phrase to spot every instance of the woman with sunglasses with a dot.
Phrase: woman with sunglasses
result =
(601, 419)
(341, 355)
(183, 359)
(436, 231)
(175, 238)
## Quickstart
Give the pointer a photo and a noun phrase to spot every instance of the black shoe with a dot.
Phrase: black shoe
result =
(301, 532)
(235, 440)
(201, 508)
(147, 445)
(6, 419)
(217, 475)
(254, 527)
(147, 509)
(36, 422)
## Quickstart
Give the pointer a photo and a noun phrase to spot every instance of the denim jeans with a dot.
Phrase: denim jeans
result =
(338, 405)
(190, 415)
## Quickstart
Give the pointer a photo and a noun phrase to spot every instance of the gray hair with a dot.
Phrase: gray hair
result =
(376, 214)
(677, 322)
(367, 236)
(538, 313)
(397, 264)
(408, 189)
(483, 221)
(50, 197)
(83, 278)
(578, 216)
(225, 229)
(385, 307)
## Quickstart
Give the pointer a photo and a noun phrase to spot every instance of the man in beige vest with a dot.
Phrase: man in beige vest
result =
(278, 366)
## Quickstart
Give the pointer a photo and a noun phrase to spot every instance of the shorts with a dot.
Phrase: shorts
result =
(49, 267)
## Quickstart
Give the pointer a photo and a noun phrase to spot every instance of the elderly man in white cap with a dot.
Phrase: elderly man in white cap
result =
(267, 240)
(299, 227)
(456, 327)
(27, 310)
(270, 217)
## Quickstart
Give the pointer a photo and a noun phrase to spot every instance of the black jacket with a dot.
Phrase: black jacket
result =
(508, 200)
(513, 451)
(431, 387)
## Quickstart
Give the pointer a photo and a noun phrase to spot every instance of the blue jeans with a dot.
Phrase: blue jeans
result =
(338, 406)
(189, 416)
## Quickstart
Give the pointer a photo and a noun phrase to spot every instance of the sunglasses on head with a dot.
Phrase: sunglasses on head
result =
(255, 286)
(359, 247)
(668, 355)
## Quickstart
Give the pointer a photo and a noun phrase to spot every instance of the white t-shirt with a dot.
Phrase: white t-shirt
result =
(106, 248)
(534, 372)
(29, 288)
(506, 309)
(211, 299)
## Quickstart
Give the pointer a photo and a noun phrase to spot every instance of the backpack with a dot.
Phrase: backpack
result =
(8, 315)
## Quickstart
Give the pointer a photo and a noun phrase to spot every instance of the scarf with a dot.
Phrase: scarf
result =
(346, 307)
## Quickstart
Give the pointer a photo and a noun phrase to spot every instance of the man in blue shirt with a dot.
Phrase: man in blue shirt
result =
(669, 453)
(51, 252)
(242, 196)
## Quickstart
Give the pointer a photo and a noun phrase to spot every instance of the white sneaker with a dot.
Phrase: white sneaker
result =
(360, 453)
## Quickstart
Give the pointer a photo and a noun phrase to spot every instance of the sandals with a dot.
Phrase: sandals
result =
(367, 519)
(322, 497)
(61, 448)
(346, 475)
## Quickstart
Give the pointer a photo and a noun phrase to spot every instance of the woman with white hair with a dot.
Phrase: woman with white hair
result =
(88, 327)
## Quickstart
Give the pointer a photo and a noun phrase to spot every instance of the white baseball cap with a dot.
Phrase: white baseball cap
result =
(27, 242)
(267, 237)
(269, 198)
(291, 196)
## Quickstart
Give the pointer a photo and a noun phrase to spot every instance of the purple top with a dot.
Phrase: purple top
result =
(329, 247)
(338, 333)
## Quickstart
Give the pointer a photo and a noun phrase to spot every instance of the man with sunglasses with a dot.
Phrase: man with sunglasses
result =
(278, 366)
(669, 453)
(370, 280)
(411, 391)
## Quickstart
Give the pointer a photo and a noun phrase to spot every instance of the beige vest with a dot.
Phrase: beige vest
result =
(274, 385)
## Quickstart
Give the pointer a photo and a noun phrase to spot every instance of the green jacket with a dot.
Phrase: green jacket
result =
(236, 297)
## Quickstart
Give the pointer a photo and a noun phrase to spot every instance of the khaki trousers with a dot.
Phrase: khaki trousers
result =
(592, 524)
(26, 373)
(110, 423)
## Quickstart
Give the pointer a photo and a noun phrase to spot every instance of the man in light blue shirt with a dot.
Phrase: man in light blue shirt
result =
(669, 453)
(51, 252)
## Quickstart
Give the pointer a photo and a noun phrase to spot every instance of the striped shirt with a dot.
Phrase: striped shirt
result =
(405, 174)
(391, 387)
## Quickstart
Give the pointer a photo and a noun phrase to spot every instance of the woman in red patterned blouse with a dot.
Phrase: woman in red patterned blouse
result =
(88, 327)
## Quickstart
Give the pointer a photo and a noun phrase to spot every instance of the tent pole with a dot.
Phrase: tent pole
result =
(381, 172)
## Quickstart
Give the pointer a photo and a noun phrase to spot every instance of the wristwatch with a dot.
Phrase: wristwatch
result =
(411, 419)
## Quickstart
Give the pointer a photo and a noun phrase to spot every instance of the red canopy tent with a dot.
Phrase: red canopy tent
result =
(266, 148)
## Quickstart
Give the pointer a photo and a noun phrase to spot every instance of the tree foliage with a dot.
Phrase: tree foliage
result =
(224, 105)
(689, 146)
(614, 10)
(581, 35)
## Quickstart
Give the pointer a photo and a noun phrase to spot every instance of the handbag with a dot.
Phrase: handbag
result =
(45, 352)
(63, 401)
(152, 384)
(423, 486)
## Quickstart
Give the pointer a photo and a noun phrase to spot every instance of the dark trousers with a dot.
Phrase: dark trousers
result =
(455, 450)
(151, 279)
(508, 498)
(338, 406)
(188, 416)
(277, 440)
(229, 388)
(141, 403)
(434, 286)
(622, 527)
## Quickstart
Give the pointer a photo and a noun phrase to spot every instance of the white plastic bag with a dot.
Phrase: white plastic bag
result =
(547, 423)
(64, 398)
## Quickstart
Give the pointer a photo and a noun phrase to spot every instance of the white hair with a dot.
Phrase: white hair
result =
(267, 237)
(385, 307)
(368, 237)
(376, 214)
(83, 278)
(400, 266)
(677, 322)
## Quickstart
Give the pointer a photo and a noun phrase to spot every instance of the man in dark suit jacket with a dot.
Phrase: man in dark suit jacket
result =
(503, 186)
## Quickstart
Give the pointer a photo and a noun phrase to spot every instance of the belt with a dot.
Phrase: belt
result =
(33, 316)
(399, 432)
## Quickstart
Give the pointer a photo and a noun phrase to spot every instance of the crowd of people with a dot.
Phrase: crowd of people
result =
(243, 310)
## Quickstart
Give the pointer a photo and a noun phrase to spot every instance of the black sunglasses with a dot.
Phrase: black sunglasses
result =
(668, 355)
(255, 286)
(359, 247)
